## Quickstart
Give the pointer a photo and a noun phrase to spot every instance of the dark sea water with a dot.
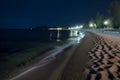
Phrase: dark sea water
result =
(31, 35)
(17, 39)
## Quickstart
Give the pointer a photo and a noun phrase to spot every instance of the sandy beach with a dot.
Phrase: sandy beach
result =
(96, 58)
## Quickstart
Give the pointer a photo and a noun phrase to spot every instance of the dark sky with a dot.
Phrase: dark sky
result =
(26, 13)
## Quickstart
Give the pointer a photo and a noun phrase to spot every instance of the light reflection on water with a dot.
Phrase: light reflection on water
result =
(58, 36)
(71, 35)
(78, 38)
(81, 35)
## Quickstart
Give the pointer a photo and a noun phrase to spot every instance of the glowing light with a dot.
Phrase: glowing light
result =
(106, 22)
(55, 28)
(76, 27)
(59, 29)
(91, 24)
(81, 26)
(51, 28)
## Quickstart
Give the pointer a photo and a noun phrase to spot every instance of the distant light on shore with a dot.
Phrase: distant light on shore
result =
(76, 27)
(55, 28)
(92, 25)
(81, 26)
(106, 22)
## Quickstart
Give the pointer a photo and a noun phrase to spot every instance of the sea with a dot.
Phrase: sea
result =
(14, 40)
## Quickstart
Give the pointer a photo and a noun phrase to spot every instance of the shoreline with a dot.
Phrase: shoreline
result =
(97, 58)
(39, 51)
(43, 58)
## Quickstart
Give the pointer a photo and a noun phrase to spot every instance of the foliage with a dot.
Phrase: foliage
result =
(115, 14)
(99, 20)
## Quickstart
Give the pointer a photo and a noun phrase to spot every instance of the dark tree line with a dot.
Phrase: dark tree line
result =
(99, 20)
(114, 20)
(115, 14)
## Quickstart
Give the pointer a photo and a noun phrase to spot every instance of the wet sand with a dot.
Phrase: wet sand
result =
(49, 64)
(96, 58)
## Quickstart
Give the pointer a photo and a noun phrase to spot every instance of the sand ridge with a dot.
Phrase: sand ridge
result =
(104, 59)
(96, 58)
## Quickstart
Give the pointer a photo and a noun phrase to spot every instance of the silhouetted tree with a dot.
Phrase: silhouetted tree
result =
(99, 20)
(115, 14)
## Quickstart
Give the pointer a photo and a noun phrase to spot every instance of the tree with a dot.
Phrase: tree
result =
(99, 20)
(92, 23)
(115, 14)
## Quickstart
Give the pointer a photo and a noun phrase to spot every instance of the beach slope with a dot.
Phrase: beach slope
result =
(96, 58)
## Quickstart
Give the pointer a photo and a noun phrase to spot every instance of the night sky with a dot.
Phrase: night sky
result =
(27, 13)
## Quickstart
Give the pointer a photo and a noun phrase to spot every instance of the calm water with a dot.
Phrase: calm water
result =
(32, 35)
(20, 39)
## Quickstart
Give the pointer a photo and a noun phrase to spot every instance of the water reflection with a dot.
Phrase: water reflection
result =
(50, 35)
(81, 35)
(59, 35)
(74, 33)
(77, 39)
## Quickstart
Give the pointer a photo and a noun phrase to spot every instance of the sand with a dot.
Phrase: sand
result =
(96, 58)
